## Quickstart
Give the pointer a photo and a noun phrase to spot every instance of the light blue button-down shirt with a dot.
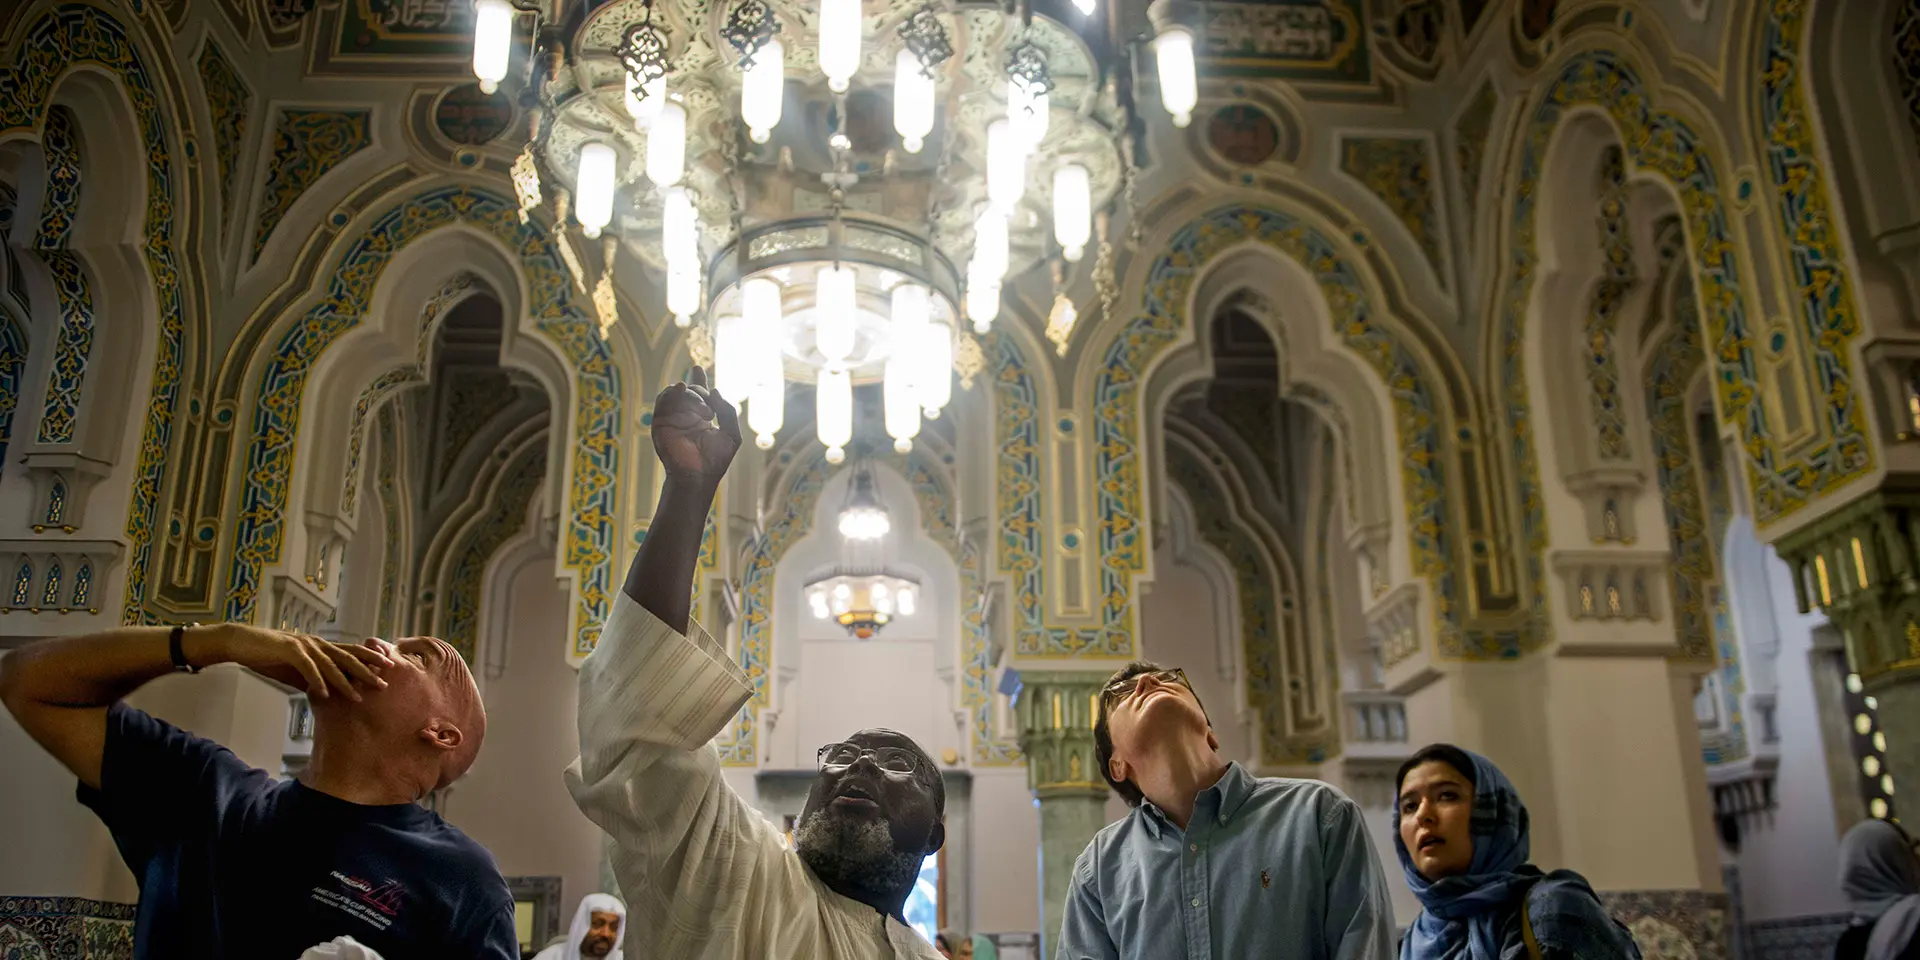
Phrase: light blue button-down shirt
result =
(1267, 868)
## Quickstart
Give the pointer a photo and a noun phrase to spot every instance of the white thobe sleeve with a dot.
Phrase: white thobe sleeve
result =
(696, 864)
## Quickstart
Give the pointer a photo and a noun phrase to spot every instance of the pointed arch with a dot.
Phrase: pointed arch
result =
(562, 326)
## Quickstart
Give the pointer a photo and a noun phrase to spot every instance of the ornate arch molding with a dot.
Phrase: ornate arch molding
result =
(88, 273)
(502, 436)
(1672, 143)
(392, 486)
(73, 37)
(394, 382)
(1282, 683)
(522, 548)
(562, 326)
(1349, 304)
(1190, 549)
(1254, 280)
(498, 513)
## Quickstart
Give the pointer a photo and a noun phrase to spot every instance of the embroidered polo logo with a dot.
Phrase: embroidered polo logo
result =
(1265, 881)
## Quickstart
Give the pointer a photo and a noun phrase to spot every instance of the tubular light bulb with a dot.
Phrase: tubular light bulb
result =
(914, 96)
(1179, 87)
(904, 600)
(983, 304)
(644, 100)
(767, 405)
(667, 145)
(839, 42)
(833, 329)
(762, 90)
(679, 228)
(817, 600)
(492, 42)
(1027, 112)
(593, 198)
(683, 292)
(732, 359)
(833, 412)
(1072, 210)
(911, 308)
(765, 329)
(901, 402)
(990, 243)
(934, 380)
(1006, 165)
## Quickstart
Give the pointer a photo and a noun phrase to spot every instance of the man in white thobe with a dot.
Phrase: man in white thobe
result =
(705, 875)
(595, 933)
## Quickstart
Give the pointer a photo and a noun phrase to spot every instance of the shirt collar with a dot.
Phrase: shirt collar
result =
(1223, 799)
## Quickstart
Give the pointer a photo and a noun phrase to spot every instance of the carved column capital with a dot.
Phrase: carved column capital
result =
(1861, 566)
(1055, 715)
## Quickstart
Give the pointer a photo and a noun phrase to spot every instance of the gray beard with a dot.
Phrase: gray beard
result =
(854, 856)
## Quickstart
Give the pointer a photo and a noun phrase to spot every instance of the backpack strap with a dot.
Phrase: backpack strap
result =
(1526, 921)
(1526, 931)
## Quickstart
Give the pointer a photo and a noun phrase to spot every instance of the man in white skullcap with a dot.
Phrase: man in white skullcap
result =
(595, 933)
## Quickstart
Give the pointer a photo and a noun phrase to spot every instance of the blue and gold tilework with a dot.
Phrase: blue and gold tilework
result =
(306, 144)
(63, 37)
(1673, 363)
(1603, 311)
(13, 369)
(60, 414)
(1669, 146)
(594, 448)
(1823, 290)
(1399, 171)
(1656, 141)
(227, 104)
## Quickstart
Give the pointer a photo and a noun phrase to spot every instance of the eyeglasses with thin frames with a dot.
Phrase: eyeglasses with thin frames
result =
(894, 761)
(1120, 688)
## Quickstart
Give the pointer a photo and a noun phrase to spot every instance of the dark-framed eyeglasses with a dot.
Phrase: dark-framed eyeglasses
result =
(1125, 685)
(835, 757)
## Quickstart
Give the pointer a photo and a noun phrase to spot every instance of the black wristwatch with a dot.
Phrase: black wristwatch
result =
(180, 664)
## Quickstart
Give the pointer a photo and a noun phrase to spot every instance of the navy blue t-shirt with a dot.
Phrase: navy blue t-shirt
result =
(234, 864)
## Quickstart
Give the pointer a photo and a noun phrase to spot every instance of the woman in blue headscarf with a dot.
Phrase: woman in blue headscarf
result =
(1461, 833)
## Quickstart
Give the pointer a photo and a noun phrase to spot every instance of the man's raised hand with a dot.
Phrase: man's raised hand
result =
(321, 667)
(685, 434)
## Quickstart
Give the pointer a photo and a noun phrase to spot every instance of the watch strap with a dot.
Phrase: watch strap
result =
(178, 653)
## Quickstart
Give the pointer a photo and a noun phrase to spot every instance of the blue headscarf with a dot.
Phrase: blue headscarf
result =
(1473, 914)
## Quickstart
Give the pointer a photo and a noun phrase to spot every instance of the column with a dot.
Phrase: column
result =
(1056, 712)
(1860, 565)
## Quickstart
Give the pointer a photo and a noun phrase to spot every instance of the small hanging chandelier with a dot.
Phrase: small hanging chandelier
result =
(864, 517)
(860, 593)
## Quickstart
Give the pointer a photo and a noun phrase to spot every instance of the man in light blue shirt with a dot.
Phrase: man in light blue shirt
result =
(1215, 863)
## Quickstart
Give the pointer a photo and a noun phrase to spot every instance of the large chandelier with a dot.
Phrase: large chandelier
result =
(831, 187)
(861, 593)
